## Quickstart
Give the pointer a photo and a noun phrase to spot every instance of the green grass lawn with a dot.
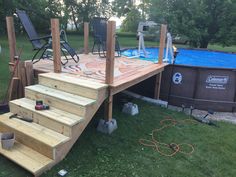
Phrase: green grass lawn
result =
(121, 155)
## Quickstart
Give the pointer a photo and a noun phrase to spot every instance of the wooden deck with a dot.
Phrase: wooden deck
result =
(127, 72)
(74, 93)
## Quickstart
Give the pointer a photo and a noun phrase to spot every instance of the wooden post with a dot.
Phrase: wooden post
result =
(110, 56)
(86, 38)
(111, 27)
(108, 108)
(11, 37)
(157, 86)
(162, 43)
(56, 45)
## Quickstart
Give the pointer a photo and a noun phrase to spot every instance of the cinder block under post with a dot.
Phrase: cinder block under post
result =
(109, 124)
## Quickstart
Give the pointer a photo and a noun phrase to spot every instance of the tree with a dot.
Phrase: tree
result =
(202, 21)
(39, 11)
(130, 24)
(79, 11)
(122, 7)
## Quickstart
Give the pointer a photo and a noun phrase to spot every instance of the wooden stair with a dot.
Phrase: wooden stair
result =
(46, 141)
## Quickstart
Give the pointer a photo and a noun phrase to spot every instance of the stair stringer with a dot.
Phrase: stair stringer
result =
(77, 130)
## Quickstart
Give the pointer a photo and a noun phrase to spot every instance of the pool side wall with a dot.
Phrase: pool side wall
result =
(200, 87)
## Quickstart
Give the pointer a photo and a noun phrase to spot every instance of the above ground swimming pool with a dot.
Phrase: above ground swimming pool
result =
(189, 57)
(199, 78)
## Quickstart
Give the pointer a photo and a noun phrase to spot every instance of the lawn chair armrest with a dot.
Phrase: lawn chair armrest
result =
(40, 38)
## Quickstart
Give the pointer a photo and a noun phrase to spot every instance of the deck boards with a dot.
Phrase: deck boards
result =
(23, 156)
(51, 134)
(47, 136)
(54, 114)
(92, 68)
(72, 98)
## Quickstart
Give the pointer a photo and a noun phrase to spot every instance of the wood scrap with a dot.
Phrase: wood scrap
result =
(13, 90)
(29, 73)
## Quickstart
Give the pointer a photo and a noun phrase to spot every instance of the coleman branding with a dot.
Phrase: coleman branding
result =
(217, 79)
(177, 78)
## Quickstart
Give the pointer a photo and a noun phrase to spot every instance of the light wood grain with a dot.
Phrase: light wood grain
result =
(110, 56)
(162, 43)
(56, 46)
(27, 158)
(11, 38)
(55, 119)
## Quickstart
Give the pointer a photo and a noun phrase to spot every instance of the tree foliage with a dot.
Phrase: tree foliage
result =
(40, 11)
(130, 24)
(202, 21)
(122, 7)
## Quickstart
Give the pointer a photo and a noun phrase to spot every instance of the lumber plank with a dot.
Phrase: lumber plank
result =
(124, 83)
(61, 100)
(33, 135)
(162, 43)
(157, 88)
(29, 73)
(108, 108)
(75, 99)
(13, 90)
(27, 158)
(69, 88)
(54, 119)
(11, 37)
(70, 78)
(56, 46)
(110, 55)
(23, 80)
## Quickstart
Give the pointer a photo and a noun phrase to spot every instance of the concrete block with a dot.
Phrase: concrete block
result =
(107, 127)
(130, 108)
(7, 140)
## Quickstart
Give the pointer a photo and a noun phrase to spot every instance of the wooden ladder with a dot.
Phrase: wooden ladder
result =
(45, 142)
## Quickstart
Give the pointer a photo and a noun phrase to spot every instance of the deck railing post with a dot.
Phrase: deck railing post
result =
(162, 43)
(11, 37)
(56, 45)
(110, 56)
(86, 38)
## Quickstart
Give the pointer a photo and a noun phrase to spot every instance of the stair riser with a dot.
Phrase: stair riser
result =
(30, 142)
(57, 103)
(69, 87)
(41, 120)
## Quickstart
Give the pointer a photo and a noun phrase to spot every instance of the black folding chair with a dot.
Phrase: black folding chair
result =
(46, 46)
(99, 26)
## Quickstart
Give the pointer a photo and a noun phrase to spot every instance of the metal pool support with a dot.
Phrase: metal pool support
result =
(169, 49)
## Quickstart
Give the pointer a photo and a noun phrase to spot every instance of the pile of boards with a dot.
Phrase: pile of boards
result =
(21, 75)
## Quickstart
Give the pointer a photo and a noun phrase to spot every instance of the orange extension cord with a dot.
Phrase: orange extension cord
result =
(174, 147)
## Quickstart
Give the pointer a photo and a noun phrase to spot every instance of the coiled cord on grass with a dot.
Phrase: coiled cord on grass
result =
(174, 147)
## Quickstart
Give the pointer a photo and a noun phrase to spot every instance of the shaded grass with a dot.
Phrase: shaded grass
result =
(121, 155)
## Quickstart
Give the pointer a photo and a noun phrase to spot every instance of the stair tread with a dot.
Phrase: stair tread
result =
(26, 157)
(53, 113)
(36, 131)
(79, 100)
(70, 78)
